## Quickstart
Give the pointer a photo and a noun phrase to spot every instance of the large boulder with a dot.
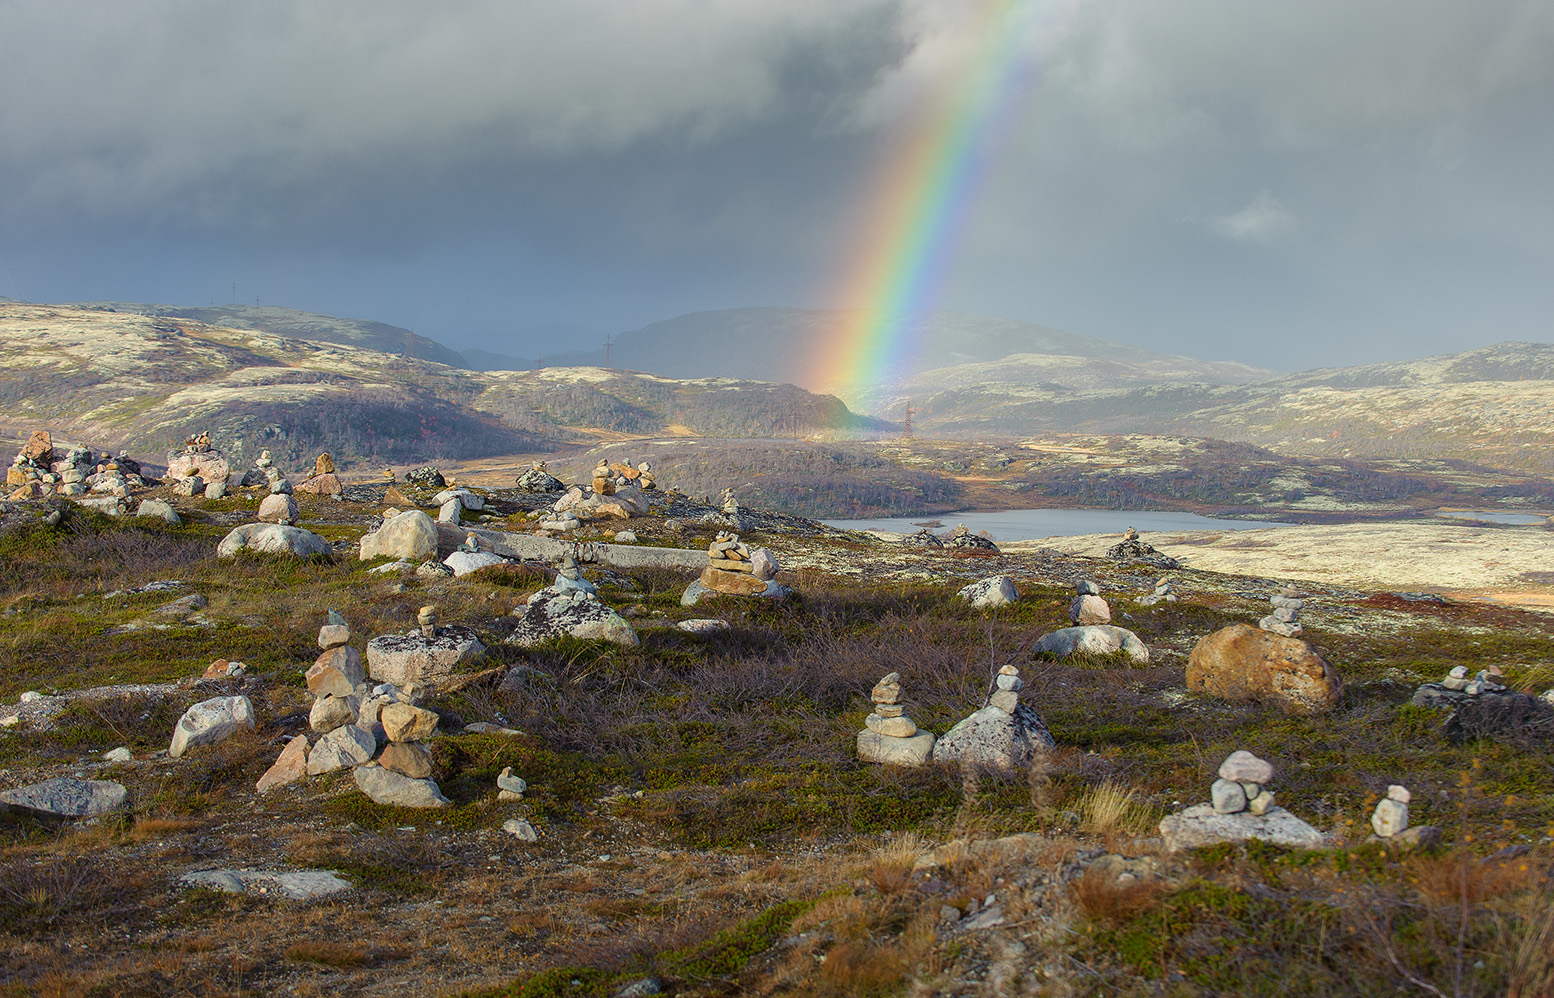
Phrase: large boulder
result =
(995, 590)
(1241, 662)
(413, 658)
(411, 536)
(159, 509)
(995, 739)
(465, 562)
(272, 538)
(553, 612)
(1201, 825)
(62, 797)
(327, 484)
(912, 751)
(211, 721)
(280, 508)
(1093, 639)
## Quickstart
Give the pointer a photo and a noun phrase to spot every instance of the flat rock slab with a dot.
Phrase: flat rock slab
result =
(465, 562)
(297, 885)
(1200, 825)
(66, 798)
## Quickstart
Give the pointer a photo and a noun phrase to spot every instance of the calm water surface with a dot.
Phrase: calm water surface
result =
(1495, 516)
(1034, 524)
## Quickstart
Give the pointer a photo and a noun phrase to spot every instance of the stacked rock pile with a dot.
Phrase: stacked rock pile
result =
(259, 474)
(537, 479)
(452, 503)
(40, 469)
(964, 538)
(924, 538)
(603, 479)
(1163, 593)
(1240, 785)
(731, 568)
(353, 720)
(1132, 548)
(323, 481)
(1005, 735)
(570, 575)
(1088, 607)
(1241, 807)
(1286, 613)
(1391, 814)
(888, 735)
(645, 478)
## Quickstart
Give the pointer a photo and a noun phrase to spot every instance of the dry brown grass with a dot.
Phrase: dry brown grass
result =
(1112, 811)
(330, 954)
(1105, 900)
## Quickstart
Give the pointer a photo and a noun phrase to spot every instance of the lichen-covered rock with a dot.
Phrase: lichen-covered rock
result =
(211, 721)
(1200, 825)
(412, 658)
(1240, 662)
(63, 797)
(411, 536)
(1093, 639)
(159, 509)
(272, 538)
(996, 740)
(553, 612)
(995, 590)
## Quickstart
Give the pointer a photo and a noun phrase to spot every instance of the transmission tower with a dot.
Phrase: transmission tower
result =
(906, 423)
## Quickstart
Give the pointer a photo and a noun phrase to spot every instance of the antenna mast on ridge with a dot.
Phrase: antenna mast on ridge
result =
(906, 424)
(607, 351)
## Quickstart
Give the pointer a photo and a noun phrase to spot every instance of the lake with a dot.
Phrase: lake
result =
(1034, 524)
(1495, 516)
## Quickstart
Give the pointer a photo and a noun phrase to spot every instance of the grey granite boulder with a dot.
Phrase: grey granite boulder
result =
(465, 562)
(347, 745)
(413, 658)
(159, 509)
(299, 885)
(995, 590)
(411, 536)
(388, 787)
(1093, 639)
(553, 612)
(995, 739)
(66, 798)
(1200, 825)
(211, 721)
(272, 538)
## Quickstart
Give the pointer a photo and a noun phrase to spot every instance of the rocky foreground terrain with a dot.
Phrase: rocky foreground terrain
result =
(677, 806)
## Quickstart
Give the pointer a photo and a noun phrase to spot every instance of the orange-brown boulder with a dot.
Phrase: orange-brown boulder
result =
(39, 447)
(1241, 662)
(327, 484)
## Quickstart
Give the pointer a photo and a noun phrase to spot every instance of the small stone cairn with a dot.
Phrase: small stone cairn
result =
(730, 568)
(1164, 593)
(1391, 814)
(888, 735)
(964, 538)
(1286, 613)
(1241, 807)
(537, 479)
(645, 479)
(603, 479)
(1132, 548)
(924, 538)
(1004, 735)
(1240, 785)
(570, 576)
(1088, 607)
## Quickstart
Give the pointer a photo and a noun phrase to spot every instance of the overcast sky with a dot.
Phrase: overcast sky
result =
(1291, 185)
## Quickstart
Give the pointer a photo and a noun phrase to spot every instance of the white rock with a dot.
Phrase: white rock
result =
(300, 885)
(913, 751)
(1228, 797)
(625, 537)
(1399, 793)
(411, 658)
(995, 590)
(1243, 766)
(211, 721)
(703, 625)
(331, 712)
(120, 754)
(388, 787)
(159, 509)
(505, 780)
(450, 512)
(764, 565)
(278, 509)
(1389, 818)
(465, 562)
(272, 538)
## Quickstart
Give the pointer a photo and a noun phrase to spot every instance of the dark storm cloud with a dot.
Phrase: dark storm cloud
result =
(1197, 176)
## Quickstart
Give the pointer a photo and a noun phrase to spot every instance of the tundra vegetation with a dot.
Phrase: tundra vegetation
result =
(701, 817)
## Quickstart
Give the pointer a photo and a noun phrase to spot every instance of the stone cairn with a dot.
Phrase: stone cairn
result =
(1003, 735)
(353, 719)
(730, 568)
(570, 575)
(1163, 593)
(1391, 814)
(41, 469)
(964, 538)
(603, 479)
(645, 479)
(1486, 681)
(1088, 606)
(1240, 785)
(1286, 613)
(729, 503)
(537, 479)
(924, 538)
(888, 735)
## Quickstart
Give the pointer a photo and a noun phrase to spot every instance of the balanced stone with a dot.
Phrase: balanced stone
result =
(1228, 797)
(893, 727)
(1243, 766)
(407, 759)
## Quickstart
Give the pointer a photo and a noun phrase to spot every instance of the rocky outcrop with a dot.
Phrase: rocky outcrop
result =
(63, 797)
(1240, 662)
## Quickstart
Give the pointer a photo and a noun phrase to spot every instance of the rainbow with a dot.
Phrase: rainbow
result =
(921, 195)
